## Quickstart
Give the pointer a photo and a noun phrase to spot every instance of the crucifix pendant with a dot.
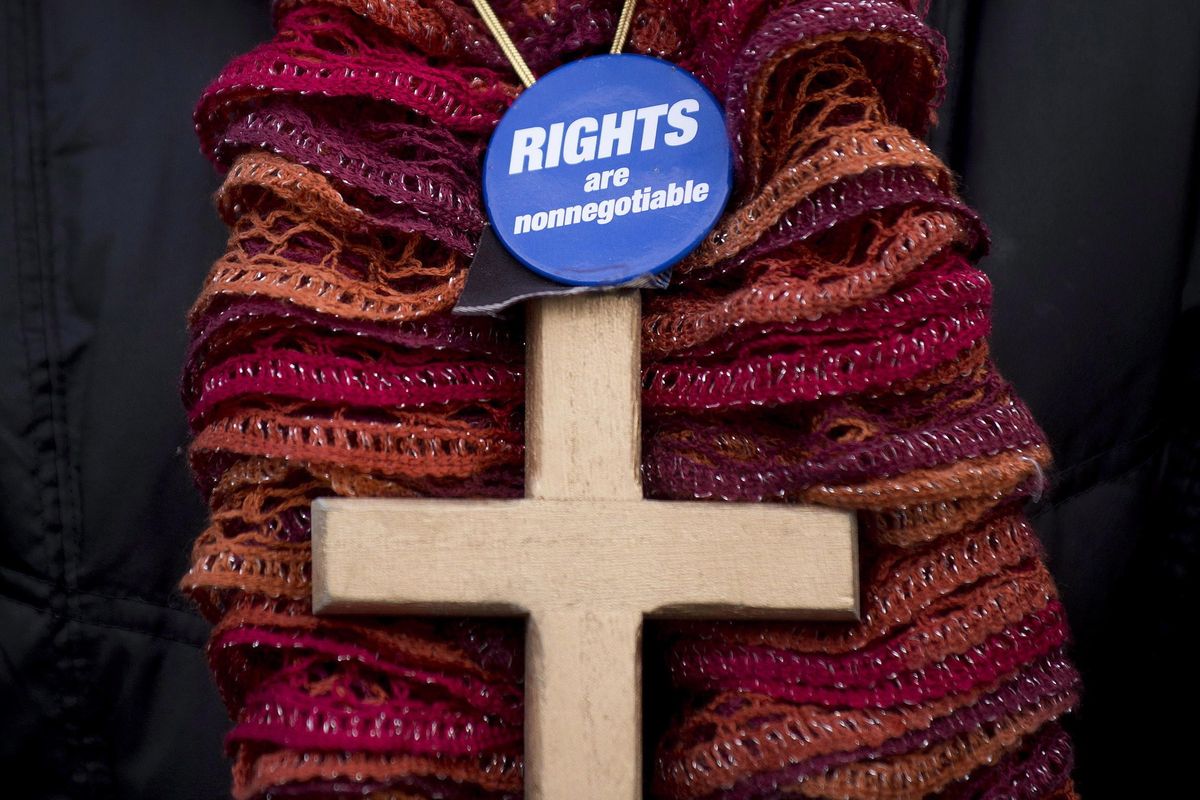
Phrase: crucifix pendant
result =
(584, 557)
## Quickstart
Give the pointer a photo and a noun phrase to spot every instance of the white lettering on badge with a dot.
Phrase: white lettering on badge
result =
(614, 134)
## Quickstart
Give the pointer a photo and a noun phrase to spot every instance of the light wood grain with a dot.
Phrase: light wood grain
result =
(584, 661)
(583, 401)
(715, 560)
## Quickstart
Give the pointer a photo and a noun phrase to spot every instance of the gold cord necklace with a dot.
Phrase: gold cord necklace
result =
(514, 55)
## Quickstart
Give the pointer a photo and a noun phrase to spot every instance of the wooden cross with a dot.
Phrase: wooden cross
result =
(584, 557)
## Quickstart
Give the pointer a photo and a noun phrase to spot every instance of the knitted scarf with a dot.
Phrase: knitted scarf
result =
(825, 344)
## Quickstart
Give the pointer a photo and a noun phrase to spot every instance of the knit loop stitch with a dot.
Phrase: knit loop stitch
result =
(826, 344)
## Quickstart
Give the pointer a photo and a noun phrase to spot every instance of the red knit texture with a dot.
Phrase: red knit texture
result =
(826, 344)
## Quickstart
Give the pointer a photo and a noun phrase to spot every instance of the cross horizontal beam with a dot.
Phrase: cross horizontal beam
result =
(585, 573)
(505, 557)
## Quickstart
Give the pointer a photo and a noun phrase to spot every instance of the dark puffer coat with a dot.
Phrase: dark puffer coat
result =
(1073, 125)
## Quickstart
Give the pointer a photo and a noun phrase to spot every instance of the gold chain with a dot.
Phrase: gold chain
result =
(514, 55)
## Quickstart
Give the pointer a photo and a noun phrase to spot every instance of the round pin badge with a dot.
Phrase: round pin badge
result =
(607, 169)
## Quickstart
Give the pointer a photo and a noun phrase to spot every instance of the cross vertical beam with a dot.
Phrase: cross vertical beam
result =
(583, 410)
(583, 439)
(584, 557)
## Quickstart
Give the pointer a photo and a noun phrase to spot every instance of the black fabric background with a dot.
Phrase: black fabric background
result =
(1073, 125)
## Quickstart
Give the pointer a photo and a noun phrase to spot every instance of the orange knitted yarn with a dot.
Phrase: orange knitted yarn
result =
(840, 270)
(826, 343)
(801, 355)
(831, 128)
(324, 363)
(929, 771)
(292, 254)
(985, 477)
(785, 734)
(401, 444)
(255, 774)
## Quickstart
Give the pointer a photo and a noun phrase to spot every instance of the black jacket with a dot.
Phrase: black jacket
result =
(1073, 125)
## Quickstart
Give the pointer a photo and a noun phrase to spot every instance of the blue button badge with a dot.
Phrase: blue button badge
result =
(607, 169)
